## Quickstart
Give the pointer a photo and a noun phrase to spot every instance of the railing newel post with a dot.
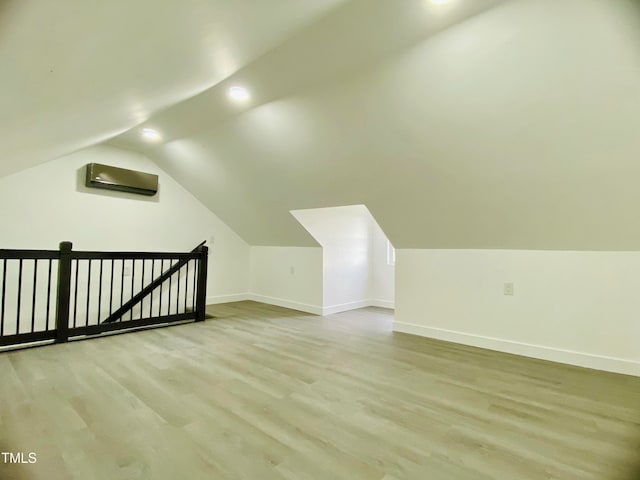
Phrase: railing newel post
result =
(63, 294)
(201, 296)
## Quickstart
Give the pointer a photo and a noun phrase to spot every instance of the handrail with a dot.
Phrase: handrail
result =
(78, 255)
(8, 254)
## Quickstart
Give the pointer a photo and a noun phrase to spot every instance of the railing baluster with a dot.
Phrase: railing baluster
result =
(4, 292)
(133, 276)
(195, 289)
(75, 293)
(100, 291)
(19, 297)
(153, 268)
(33, 300)
(141, 287)
(111, 289)
(161, 288)
(178, 293)
(186, 287)
(86, 320)
(49, 295)
(169, 301)
(121, 287)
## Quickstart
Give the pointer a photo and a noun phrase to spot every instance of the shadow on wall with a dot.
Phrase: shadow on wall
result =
(82, 188)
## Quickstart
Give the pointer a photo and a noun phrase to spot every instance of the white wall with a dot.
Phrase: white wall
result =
(382, 282)
(287, 276)
(572, 307)
(44, 205)
(355, 271)
(343, 233)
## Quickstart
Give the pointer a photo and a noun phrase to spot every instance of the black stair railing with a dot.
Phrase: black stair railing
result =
(139, 297)
(96, 292)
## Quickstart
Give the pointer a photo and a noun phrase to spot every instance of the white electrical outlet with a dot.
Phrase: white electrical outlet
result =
(212, 239)
(127, 271)
(508, 288)
(292, 270)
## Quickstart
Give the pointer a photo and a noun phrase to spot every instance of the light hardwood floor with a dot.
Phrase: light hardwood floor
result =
(264, 393)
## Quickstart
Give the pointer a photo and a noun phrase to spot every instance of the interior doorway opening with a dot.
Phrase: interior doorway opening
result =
(358, 258)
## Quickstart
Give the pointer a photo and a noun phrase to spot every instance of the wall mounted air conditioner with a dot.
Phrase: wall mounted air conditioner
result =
(121, 179)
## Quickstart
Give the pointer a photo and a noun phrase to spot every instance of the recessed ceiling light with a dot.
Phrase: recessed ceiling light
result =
(439, 2)
(239, 93)
(151, 134)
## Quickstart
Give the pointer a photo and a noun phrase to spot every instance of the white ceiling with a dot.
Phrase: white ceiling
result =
(473, 124)
(77, 72)
(252, 164)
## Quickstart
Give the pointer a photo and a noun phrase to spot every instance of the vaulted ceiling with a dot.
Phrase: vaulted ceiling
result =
(463, 124)
(77, 72)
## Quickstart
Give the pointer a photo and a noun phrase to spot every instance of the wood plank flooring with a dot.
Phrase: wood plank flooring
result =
(265, 393)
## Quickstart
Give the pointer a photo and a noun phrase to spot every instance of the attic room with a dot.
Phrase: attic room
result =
(385, 240)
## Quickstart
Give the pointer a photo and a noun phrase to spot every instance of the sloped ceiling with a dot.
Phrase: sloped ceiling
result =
(74, 73)
(470, 124)
(252, 164)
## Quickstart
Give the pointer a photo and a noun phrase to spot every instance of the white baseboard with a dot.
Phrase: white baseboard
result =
(382, 303)
(343, 307)
(282, 302)
(236, 297)
(580, 359)
(303, 307)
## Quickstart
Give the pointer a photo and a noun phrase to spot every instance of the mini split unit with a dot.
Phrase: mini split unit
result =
(121, 179)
